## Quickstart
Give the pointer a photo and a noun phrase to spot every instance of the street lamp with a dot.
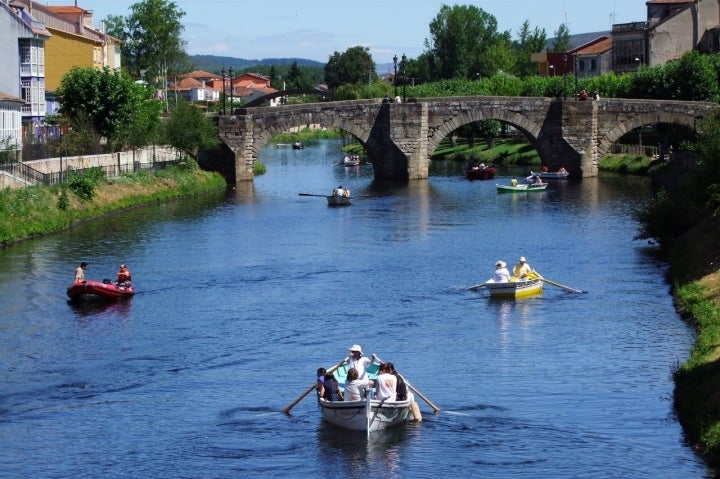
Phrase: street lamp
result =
(404, 59)
(224, 89)
(395, 76)
(637, 63)
(552, 70)
(232, 100)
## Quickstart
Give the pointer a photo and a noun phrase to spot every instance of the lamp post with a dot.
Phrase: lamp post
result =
(552, 70)
(395, 76)
(232, 100)
(637, 63)
(224, 89)
(564, 72)
(404, 59)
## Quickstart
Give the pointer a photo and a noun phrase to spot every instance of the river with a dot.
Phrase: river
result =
(242, 297)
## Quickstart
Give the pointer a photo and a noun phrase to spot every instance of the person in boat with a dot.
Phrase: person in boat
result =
(522, 269)
(123, 275)
(562, 170)
(320, 381)
(80, 272)
(331, 389)
(543, 169)
(513, 181)
(339, 191)
(538, 180)
(386, 384)
(358, 362)
(502, 275)
(401, 388)
(355, 387)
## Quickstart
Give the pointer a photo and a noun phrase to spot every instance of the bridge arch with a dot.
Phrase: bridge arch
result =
(526, 126)
(641, 120)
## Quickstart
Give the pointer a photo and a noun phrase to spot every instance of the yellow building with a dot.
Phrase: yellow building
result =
(74, 41)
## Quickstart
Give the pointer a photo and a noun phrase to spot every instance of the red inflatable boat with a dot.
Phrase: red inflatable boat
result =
(98, 290)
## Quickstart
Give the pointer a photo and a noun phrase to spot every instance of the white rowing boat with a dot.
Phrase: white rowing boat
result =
(516, 287)
(367, 414)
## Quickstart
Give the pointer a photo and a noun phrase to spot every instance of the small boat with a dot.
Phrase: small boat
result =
(516, 287)
(522, 188)
(560, 174)
(100, 290)
(337, 200)
(367, 414)
(352, 160)
(481, 172)
(297, 146)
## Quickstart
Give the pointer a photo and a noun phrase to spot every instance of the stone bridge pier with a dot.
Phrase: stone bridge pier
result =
(400, 138)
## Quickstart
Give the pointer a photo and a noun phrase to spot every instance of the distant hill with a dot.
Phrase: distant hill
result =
(214, 63)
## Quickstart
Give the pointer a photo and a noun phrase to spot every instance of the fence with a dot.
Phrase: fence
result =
(51, 171)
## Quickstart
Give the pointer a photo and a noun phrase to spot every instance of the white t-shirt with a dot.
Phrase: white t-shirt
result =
(359, 364)
(354, 389)
(386, 387)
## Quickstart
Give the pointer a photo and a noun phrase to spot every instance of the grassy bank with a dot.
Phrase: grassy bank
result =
(38, 210)
(696, 277)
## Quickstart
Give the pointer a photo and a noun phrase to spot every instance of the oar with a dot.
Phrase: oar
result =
(376, 195)
(476, 287)
(412, 388)
(310, 389)
(310, 194)
(561, 286)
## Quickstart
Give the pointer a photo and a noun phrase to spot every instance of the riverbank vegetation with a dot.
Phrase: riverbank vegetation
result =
(684, 216)
(38, 210)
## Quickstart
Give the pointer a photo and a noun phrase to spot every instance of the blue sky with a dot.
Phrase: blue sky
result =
(315, 29)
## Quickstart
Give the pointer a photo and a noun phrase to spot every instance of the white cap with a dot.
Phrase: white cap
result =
(356, 347)
(522, 258)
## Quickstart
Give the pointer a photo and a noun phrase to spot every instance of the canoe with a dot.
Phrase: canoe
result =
(549, 175)
(479, 172)
(106, 290)
(297, 146)
(521, 188)
(516, 288)
(336, 200)
(367, 414)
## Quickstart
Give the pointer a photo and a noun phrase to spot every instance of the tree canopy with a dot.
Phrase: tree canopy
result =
(152, 42)
(464, 41)
(106, 100)
(354, 66)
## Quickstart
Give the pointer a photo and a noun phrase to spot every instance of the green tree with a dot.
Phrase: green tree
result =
(460, 39)
(562, 39)
(352, 66)
(152, 45)
(528, 42)
(296, 78)
(106, 100)
(189, 130)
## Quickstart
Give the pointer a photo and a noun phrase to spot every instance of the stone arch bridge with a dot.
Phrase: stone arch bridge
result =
(401, 137)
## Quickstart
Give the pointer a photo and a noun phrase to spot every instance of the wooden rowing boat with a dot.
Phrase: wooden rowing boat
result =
(516, 287)
(367, 414)
(479, 172)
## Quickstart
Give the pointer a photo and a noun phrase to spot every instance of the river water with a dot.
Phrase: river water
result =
(242, 297)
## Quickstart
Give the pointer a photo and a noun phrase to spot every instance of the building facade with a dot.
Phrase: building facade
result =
(73, 42)
(22, 76)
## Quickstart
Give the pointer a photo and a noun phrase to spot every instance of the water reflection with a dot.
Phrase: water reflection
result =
(356, 454)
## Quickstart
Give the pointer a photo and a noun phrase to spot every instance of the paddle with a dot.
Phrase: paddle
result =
(309, 390)
(561, 286)
(476, 287)
(412, 388)
(310, 194)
